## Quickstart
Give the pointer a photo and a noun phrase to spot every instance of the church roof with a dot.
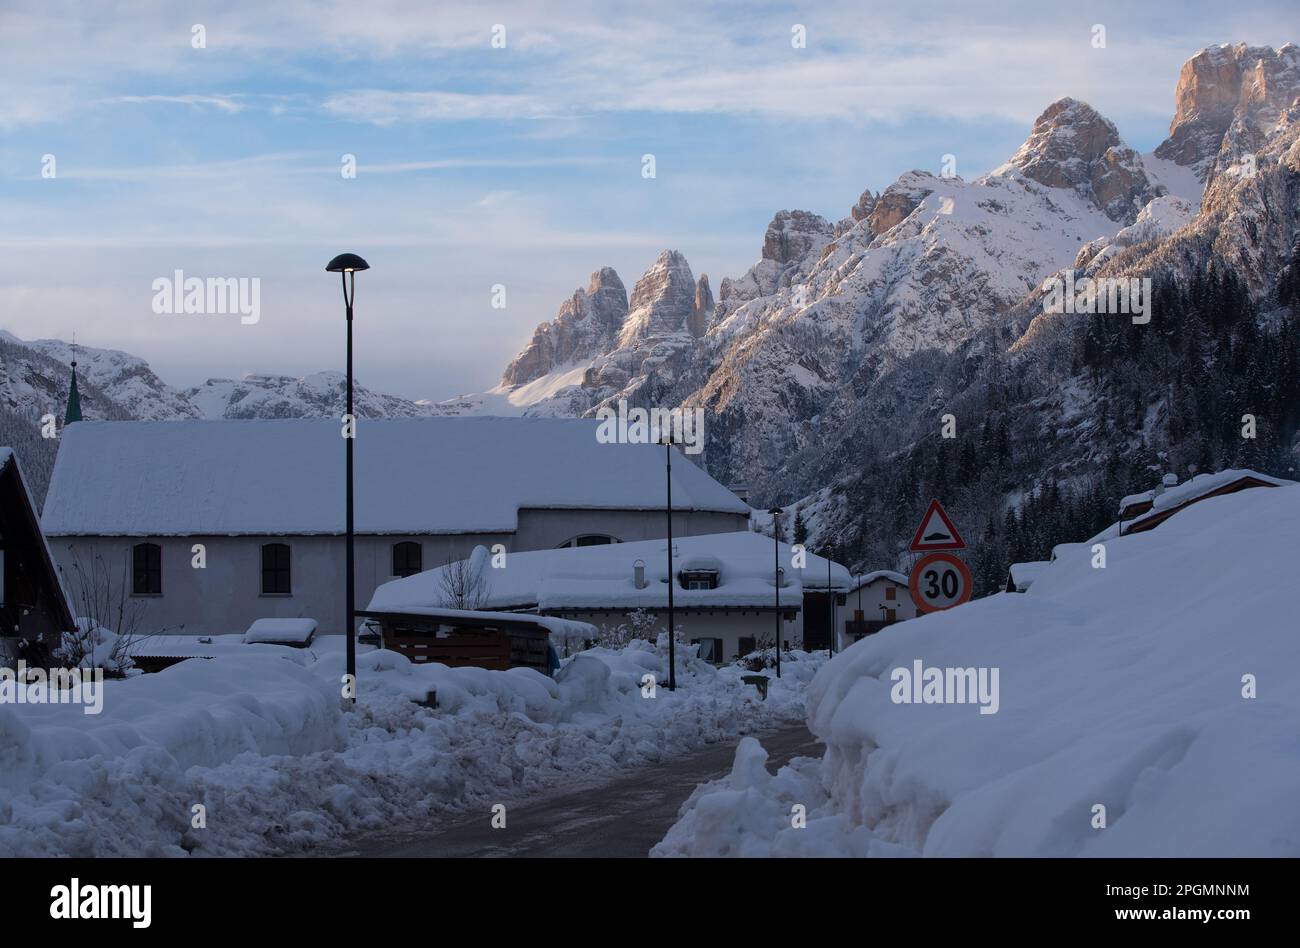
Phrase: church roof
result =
(414, 475)
(74, 400)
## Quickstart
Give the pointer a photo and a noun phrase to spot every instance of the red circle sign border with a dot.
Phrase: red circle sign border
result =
(914, 579)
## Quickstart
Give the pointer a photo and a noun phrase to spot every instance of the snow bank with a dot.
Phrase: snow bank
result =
(116, 783)
(1120, 687)
(280, 763)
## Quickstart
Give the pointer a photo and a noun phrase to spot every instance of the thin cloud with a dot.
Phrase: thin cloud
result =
(383, 107)
(448, 164)
(221, 103)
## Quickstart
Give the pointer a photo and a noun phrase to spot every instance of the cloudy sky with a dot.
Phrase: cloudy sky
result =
(479, 165)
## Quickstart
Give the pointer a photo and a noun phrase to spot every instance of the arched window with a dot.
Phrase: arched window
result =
(589, 539)
(275, 570)
(408, 558)
(146, 569)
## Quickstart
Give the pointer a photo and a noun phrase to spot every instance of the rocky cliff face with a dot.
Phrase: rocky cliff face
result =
(1239, 89)
(588, 324)
(661, 304)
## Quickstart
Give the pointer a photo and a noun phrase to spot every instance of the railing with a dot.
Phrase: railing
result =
(866, 626)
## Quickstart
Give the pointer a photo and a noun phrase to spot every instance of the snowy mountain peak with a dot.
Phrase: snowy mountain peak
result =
(319, 395)
(1073, 146)
(793, 234)
(587, 324)
(662, 301)
(124, 385)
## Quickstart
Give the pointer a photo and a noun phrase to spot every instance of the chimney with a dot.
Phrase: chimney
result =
(638, 574)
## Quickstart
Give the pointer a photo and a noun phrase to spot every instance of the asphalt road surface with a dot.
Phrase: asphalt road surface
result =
(623, 818)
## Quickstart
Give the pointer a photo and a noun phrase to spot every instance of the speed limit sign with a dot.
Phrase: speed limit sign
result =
(939, 581)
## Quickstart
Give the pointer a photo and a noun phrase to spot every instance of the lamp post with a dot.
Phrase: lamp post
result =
(347, 265)
(830, 597)
(672, 580)
(776, 580)
(859, 616)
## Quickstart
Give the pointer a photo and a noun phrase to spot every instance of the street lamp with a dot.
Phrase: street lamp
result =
(347, 265)
(667, 441)
(776, 579)
(830, 598)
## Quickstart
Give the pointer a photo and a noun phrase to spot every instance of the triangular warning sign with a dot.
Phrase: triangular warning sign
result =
(936, 532)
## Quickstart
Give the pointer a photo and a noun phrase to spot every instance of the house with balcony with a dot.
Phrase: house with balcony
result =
(874, 601)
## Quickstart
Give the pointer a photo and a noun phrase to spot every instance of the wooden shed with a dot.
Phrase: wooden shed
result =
(456, 637)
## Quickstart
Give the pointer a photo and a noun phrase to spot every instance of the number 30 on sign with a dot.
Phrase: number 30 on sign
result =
(939, 581)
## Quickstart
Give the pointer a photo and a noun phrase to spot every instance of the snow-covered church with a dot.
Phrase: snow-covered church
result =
(210, 525)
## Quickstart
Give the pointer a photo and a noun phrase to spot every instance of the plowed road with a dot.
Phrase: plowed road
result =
(623, 818)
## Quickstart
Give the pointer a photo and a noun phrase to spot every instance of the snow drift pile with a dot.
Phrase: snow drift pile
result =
(253, 751)
(1164, 688)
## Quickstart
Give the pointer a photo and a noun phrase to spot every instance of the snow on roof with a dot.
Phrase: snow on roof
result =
(1024, 574)
(602, 577)
(866, 579)
(1109, 533)
(1198, 486)
(414, 475)
(1131, 499)
(281, 631)
(1061, 549)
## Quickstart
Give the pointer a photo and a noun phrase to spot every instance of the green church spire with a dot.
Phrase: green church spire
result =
(74, 398)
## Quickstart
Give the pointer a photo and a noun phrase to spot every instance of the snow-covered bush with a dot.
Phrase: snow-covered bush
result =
(640, 624)
(765, 658)
(91, 645)
(108, 617)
